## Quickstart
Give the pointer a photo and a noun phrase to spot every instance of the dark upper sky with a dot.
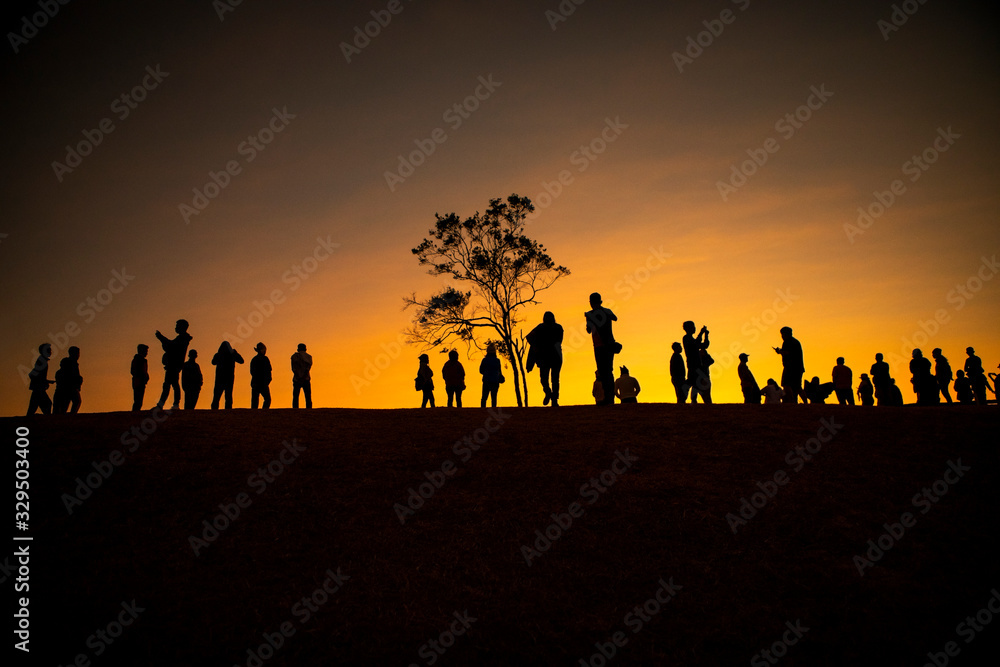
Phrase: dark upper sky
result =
(662, 207)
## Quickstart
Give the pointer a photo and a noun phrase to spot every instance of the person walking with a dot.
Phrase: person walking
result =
(492, 374)
(545, 351)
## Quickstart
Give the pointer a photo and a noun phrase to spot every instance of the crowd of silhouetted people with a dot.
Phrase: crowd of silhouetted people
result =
(689, 373)
(181, 373)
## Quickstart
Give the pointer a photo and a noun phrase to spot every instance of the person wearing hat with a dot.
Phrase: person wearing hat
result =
(748, 384)
(425, 382)
(302, 362)
(866, 391)
(599, 321)
(626, 387)
(793, 366)
(260, 378)
(976, 375)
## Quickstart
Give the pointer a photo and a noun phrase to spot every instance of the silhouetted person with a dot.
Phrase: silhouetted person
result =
(995, 379)
(880, 378)
(977, 375)
(792, 364)
(843, 383)
(678, 373)
(302, 362)
(225, 361)
(923, 381)
(817, 392)
(140, 376)
(425, 381)
(453, 374)
(963, 389)
(38, 382)
(492, 374)
(598, 391)
(260, 378)
(546, 353)
(942, 373)
(68, 384)
(626, 387)
(866, 391)
(894, 397)
(748, 383)
(696, 375)
(703, 385)
(191, 380)
(772, 393)
(599, 321)
(174, 353)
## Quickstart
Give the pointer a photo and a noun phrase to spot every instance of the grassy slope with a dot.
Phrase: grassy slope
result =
(665, 517)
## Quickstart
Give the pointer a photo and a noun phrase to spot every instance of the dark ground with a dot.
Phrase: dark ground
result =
(664, 517)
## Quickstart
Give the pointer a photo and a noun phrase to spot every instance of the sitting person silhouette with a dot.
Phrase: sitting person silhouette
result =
(626, 387)
(772, 393)
(817, 392)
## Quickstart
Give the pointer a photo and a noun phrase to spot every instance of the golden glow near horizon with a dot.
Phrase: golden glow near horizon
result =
(803, 165)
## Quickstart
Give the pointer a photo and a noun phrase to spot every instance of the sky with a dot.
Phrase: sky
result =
(263, 170)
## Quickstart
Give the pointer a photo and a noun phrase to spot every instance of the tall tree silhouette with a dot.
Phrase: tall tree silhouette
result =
(506, 271)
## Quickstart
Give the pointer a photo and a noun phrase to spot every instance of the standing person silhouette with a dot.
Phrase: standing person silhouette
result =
(453, 373)
(174, 353)
(68, 384)
(703, 385)
(692, 351)
(963, 389)
(843, 383)
(140, 376)
(302, 363)
(977, 375)
(942, 373)
(191, 380)
(546, 353)
(598, 389)
(748, 383)
(866, 391)
(880, 378)
(792, 364)
(627, 387)
(225, 361)
(923, 381)
(260, 377)
(599, 321)
(425, 381)
(39, 382)
(678, 373)
(492, 374)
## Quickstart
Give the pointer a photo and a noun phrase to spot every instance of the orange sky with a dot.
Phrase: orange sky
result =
(921, 274)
